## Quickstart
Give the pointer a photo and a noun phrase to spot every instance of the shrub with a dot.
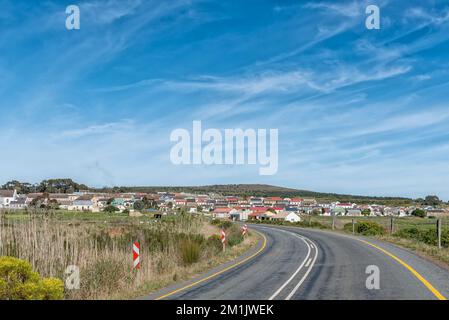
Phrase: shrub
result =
(190, 251)
(368, 228)
(225, 224)
(18, 281)
(428, 236)
(110, 209)
(215, 241)
(106, 275)
(419, 213)
(234, 235)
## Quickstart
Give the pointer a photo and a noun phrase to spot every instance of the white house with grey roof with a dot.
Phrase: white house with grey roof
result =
(6, 197)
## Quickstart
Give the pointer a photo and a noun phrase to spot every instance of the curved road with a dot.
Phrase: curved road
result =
(293, 263)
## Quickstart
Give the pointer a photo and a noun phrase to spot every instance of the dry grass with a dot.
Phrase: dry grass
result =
(103, 252)
(440, 256)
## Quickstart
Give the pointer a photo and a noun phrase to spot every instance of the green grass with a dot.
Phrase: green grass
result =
(65, 215)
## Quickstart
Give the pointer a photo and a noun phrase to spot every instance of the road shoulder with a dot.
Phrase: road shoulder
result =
(167, 292)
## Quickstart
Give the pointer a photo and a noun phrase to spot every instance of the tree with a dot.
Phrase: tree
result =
(60, 186)
(419, 213)
(432, 201)
(139, 205)
(366, 212)
(110, 209)
(53, 204)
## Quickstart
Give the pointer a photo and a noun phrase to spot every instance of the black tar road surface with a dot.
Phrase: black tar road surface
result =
(292, 263)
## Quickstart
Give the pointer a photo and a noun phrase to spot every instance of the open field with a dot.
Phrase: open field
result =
(172, 249)
(385, 222)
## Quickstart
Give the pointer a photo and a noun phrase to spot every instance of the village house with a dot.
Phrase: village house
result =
(6, 197)
(232, 201)
(256, 202)
(223, 213)
(18, 204)
(437, 213)
(83, 203)
(241, 214)
(221, 203)
(344, 205)
(354, 212)
(269, 201)
(338, 211)
(296, 201)
(309, 202)
(287, 216)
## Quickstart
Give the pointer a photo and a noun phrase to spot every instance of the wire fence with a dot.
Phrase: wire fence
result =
(426, 230)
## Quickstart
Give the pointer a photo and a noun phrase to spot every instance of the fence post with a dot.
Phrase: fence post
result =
(392, 225)
(439, 233)
(353, 227)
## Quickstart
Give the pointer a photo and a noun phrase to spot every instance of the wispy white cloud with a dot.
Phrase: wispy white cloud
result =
(427, 17)
(106, 12)
(347, 9)
(99, 129)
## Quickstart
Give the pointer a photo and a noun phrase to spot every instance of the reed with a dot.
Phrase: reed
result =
(103, 251)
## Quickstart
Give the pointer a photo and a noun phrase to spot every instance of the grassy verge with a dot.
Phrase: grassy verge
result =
(193, 271)
(439, 256)
(172, 249)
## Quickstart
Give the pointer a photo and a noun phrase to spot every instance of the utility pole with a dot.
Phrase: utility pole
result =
(439, 233)
(333, 222)
(353, 226)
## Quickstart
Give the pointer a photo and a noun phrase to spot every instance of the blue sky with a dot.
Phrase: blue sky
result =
(358, 111)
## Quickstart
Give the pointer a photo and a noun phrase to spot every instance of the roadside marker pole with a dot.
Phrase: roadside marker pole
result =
(136, 255)
(392, 225)
(223, 239)
(244, 230)
(439, 233)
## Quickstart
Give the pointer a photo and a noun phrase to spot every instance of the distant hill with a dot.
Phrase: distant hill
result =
(242, 190)
(263, 190)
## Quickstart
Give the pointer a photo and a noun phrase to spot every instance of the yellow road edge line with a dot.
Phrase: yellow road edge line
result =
(219, 272)
(431, 288)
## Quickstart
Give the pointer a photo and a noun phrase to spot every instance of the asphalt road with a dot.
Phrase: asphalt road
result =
(293, 263)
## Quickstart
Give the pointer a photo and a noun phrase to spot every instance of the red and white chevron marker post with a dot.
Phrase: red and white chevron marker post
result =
(223, 239)
(136, 255)
(244, 230)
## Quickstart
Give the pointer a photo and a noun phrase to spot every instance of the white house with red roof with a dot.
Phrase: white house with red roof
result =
(223, 213)
(269, 201)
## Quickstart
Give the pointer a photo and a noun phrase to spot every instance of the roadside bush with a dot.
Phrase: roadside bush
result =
(367, 228)
(428, 236)
(215, 241)
(225, 224)
(419, 213)
(190, 251)
(348, 227)
(110, 209)
(18, 281)
(234, 235)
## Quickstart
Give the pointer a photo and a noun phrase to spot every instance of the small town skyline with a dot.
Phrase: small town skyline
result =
(260, 188)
